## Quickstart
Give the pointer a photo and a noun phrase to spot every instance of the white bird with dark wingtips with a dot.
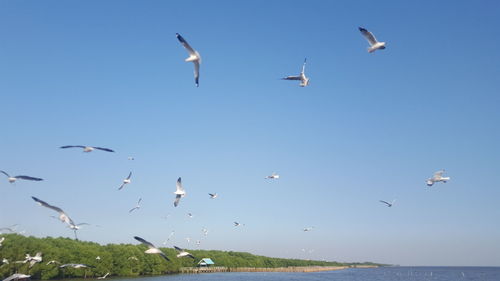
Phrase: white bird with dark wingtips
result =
(62, 215)
(213, 195)
(125, 181)
(236, 224)
(137, 206)
(21, 177)
(194, 57)
(437, 177)
(304, 81)
(152, 248)
(387, 203)
(179, 192)
(374, 44)
(88, 148)
(273, 176)
(183, 253)
(16, 276)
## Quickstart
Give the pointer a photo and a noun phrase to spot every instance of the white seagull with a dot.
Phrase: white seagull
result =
(190, 215)
(183, 253)
(438, 177)
(304, 81)
(17, 276)
(273, 176)
(88, 148)
(236, 224)
(179, 192)
(125, 181)
(152, 248)
(103, 277)
(21, 177)
(137, 206)
(374, 44)
(52, 262)
(213, 195)
(75, 265)
(5, 261)
(194, 57)
(387, 203)
(33, 260)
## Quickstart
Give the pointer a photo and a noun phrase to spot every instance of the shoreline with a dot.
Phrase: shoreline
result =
(304, 269)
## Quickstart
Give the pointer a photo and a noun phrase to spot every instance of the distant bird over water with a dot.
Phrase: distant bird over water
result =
(374, 44)
(16, 276)
(437, 177)
(13, 179)
(125, 181)
(88, 148)
(387, 203)
(304, 81)
(152, 248)
(179, 192)
(183, 253)
(194, 57)
(75, 265)
(273, 176)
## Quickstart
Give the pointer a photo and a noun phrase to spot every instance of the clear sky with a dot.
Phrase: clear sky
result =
(369, 127)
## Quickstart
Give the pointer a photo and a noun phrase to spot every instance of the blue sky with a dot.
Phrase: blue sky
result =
(368, 127)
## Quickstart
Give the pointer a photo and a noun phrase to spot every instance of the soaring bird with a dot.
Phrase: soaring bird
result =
(304, 81)
(194, 57)
(152, 248)
(213, 195)
(137, 206)
(387, 203)
(13, 179)
(62, 215)
(125, 181)
(273, 176)
(437, 177)
(183, 253)
(374, 44)
(33, 260)
(16, 276)
(88, 148)
(179, 192)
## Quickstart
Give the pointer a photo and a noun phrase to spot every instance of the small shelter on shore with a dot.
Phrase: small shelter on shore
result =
(205, 262)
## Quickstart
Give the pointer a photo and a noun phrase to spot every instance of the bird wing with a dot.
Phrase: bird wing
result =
(138, 202)
(439, 173)
(368, 35)
(178, 185)
(211, 195)
(129, 175)
(304, 66)
(164, 256)
(149, 244)
(71, 146)
(104, 149)
(121, 186)
(196, 73)
(131, 210)
(28, 178)
(184, 43)
(178, 249)
(191, 256)
(298, 77)
(66, 218)
(177, 199)
(5, 173)
(385, 202)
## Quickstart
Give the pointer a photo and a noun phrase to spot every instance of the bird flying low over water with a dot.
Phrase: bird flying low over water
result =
(179, 192)
(13, 179)
(137, 206)
(387, 203)
(16, 276)
(103, 277)
(183, 253)
(273, 176)
(374, 44)
(33, 260)
(304, 81)
(125, 181)
(75, 265)
(152, 248)
(88, 148)
(194, 57)
(437, 177)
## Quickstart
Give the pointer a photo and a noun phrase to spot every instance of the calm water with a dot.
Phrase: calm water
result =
(375, 274)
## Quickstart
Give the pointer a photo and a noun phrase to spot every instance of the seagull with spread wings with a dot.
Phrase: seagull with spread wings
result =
(152, 248)
(213, 195)
(137, 206)
(75, 265)
(62, 215)
(179, 192)
(304, 81)
(194, 57)
(374, 44)
(126, 181)
(183, 253)
(437, 177)
(16, 276)
(21, 177)
(273, 176)
(88, 148)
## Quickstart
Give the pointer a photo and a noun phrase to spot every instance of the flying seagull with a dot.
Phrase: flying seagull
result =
(194, 57)
(88, 148)
(183, 253)
(374, 44)
(103, 277)
(236, 224)
(387, 203)
(62, 215)
(304, 81)
(17, 276)
(52, 262)
(33, 260)
(13, 179)
(179, 192)
(308, 229)
(273, 176)
(137, 206)
(152, 248)
(438, 177)
(75, 265)
(213, 195)
(125, 181)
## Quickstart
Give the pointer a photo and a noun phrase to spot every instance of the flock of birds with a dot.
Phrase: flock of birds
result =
(180, 192)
